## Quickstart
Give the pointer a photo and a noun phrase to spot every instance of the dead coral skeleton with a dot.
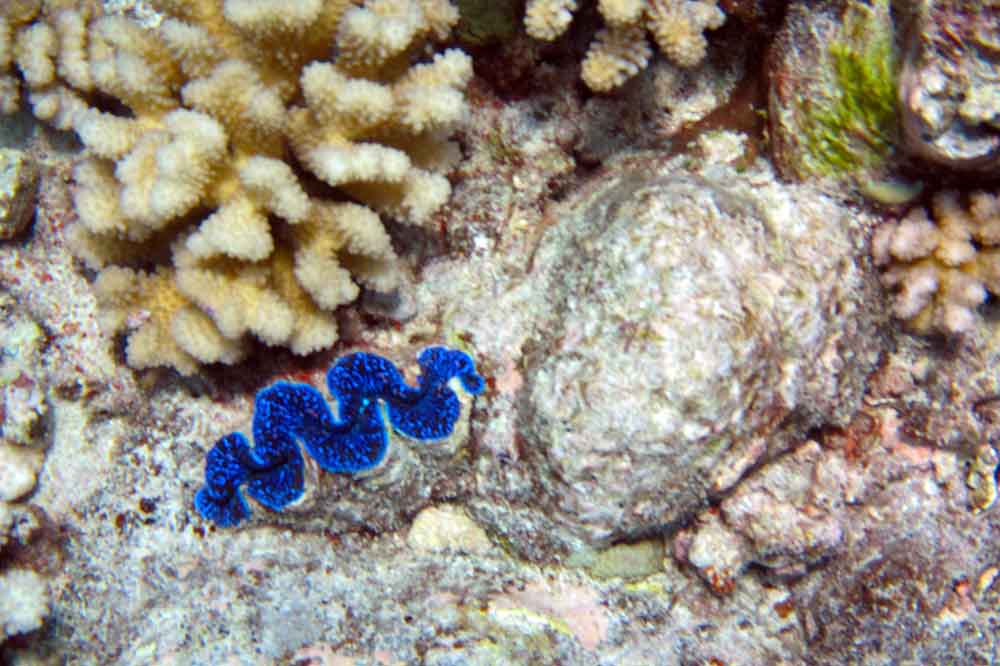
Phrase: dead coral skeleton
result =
(621, 50)
(188, 204)
(942, 268)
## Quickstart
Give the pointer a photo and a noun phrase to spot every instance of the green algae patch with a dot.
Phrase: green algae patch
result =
(834, 103)
(856, 127)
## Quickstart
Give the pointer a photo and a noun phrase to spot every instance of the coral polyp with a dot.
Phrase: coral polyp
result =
(368, 389)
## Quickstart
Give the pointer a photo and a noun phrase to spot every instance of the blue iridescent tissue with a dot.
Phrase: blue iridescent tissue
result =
(289, 418)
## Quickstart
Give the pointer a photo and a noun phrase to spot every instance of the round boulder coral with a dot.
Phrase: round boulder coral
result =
(700, 322)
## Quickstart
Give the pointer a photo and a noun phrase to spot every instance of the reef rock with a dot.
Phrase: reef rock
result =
(950, 85)
(698, 321)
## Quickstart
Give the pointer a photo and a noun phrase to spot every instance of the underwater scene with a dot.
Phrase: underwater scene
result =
(499, 332)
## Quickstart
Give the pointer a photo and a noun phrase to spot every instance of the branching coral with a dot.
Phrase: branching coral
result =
(286, 414)
(942, 269)
(203, 227)
(620, 50)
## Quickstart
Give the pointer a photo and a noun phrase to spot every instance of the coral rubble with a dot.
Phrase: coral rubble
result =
(191, 202)
(285, 414)
(24, 410)
(942, 270)
(620, 49)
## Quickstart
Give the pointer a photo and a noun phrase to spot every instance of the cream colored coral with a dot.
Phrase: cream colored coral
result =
(942, 269)
(162, 327)
(620, 51)
(678, 28)
(621, 12)
(547, 19)
(617, 55)
(202, 230)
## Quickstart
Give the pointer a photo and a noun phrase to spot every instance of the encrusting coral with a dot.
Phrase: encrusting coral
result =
(191, 200)
(621, 50)
(942, 269)
(353, 441)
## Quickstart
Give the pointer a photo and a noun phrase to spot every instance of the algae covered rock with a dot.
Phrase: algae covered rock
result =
(699, 321)
(832, 96)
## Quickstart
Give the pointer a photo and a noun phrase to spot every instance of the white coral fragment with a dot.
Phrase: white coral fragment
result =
(24, 602)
